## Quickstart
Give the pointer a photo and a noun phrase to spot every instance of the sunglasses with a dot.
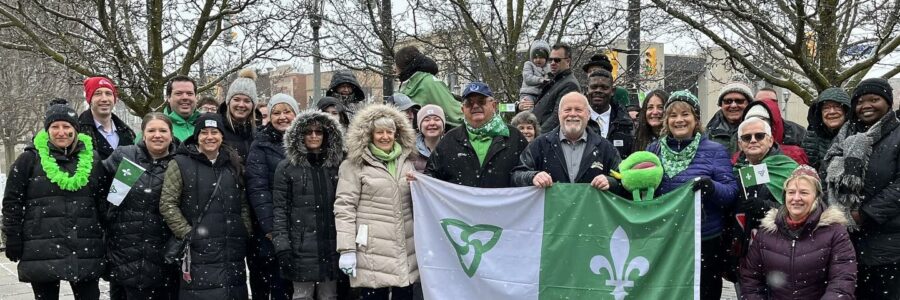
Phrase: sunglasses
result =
(315, 132)
(739, 101)
(472, 101)
(759, 136)
(557, 59)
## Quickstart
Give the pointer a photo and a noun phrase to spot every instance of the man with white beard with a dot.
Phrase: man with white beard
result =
(569, 153)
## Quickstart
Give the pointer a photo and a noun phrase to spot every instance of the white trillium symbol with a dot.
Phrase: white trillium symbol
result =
(620, 269)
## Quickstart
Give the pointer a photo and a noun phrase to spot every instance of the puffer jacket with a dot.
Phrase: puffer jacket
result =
(219, 245)
(818, 136)
(368, 195)
(136, 231)
(816, 262)
(711, 161)
(266, 152)
(547, 105)
(423, 88)
(792, 151)
(304, 192)
(342, 77)
(87, 126)
(720, 131)
(532, 75)
(59, 232)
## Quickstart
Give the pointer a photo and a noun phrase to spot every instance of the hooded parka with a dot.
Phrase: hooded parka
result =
(304, 193)
(368, 195)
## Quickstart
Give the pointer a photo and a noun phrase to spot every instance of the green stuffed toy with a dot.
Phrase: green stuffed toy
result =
(640, 172)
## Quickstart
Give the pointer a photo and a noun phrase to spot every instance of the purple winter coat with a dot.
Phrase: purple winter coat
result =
(819, 263)
(713, 161)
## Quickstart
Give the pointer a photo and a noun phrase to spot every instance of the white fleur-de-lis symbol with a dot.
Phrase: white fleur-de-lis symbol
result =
(126, 172)
(620, 270)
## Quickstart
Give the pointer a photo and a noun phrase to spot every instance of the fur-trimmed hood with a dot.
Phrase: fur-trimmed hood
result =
(830, 215)
(359, 134)
(295, 148)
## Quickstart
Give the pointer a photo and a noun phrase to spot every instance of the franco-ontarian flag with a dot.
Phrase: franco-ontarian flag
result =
(127, 173)
(569, 241)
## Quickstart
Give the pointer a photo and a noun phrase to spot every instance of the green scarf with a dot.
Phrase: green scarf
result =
(495, 127)
(780, 168)
(55, 174)
(675, 162)
(389, 159)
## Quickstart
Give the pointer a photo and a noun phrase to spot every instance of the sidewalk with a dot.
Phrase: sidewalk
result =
(12, 289)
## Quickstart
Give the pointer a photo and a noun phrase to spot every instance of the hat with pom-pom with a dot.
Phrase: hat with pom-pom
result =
(245, 85)
(59, 110)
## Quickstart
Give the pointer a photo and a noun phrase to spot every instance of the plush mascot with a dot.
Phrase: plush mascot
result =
(640, 172)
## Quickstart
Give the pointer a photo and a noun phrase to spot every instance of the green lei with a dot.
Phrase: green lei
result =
(58, 176)
(675, 162)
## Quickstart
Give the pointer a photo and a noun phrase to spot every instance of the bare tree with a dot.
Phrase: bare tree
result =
(804, 46)
(27, 83)
(142, 44)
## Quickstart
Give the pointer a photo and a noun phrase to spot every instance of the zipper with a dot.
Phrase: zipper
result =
(793, 244)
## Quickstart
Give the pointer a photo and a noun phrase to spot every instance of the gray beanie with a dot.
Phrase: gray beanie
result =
(283, 98)
(245, 84)
(735, 87)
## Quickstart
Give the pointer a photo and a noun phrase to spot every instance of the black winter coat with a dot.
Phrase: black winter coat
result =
(265, 154)
(86, 125)
(219, 242)
(818, 137)
(60, 231)
(720, 131)
(304, 193)
(136, 232)
(878, 241)
(547, 105)
(621, 130)
(454, 160)
(545, 154)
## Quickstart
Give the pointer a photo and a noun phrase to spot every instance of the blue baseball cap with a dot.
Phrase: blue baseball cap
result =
(477, 88)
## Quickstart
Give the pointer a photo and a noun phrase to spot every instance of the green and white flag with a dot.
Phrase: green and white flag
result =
(127, 173)
(569, 241)
(754, 175)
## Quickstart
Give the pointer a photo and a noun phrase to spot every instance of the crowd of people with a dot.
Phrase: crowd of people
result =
(316, 204)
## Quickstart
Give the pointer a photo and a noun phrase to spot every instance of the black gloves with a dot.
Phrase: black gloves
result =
(14, 250)
(704, 185)
(285, 261)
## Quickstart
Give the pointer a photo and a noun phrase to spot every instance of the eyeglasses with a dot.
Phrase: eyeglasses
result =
(759, 136)
(730, 101)
(831, 106)
(472, 101)
(557, 59)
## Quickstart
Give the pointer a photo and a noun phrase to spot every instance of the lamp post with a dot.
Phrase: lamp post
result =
(787, 95)
(315, 21)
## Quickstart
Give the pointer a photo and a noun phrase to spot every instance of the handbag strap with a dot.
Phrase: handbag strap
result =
(205, 207)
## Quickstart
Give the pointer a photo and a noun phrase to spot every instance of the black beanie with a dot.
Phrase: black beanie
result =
(59, 110)
(208, 120)
(877, 86)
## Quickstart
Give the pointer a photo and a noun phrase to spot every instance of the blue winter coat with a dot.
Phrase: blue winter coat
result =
(264, 155)
(711, 161)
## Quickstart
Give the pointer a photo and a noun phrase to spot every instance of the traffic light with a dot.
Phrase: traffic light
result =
(650, 62)
(614, 60)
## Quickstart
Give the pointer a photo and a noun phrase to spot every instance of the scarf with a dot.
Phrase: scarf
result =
(58, 176)
(493, 128)
(849, 159)
(674, 162)
(389, 159)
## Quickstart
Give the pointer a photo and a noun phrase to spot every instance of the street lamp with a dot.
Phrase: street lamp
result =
(787, 95)
(315, 21)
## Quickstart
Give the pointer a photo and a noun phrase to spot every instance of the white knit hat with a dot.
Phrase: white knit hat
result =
(245, 84)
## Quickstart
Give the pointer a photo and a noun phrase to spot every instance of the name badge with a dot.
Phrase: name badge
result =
(618, 143)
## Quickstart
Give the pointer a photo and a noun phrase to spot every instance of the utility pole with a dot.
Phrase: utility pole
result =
(315, 21)
(387, 41)
(633, 59)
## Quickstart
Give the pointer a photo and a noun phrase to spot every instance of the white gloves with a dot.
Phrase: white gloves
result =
(347, 263)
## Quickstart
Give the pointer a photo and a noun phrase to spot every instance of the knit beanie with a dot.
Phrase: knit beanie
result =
(430, 110)
(758, 111)
(283, 98)
(208, 120)
(877, 86)
(805, 170)
(686, 97)
(735, 87)
(245, 84)
(93, 83)
(59, 110)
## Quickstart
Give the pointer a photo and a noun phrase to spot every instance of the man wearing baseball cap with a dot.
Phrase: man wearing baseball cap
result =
(106, 130)
(482, 152)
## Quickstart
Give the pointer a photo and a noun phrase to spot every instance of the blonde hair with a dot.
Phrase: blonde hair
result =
(698, 126)
(808, 179)
(384, 123)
